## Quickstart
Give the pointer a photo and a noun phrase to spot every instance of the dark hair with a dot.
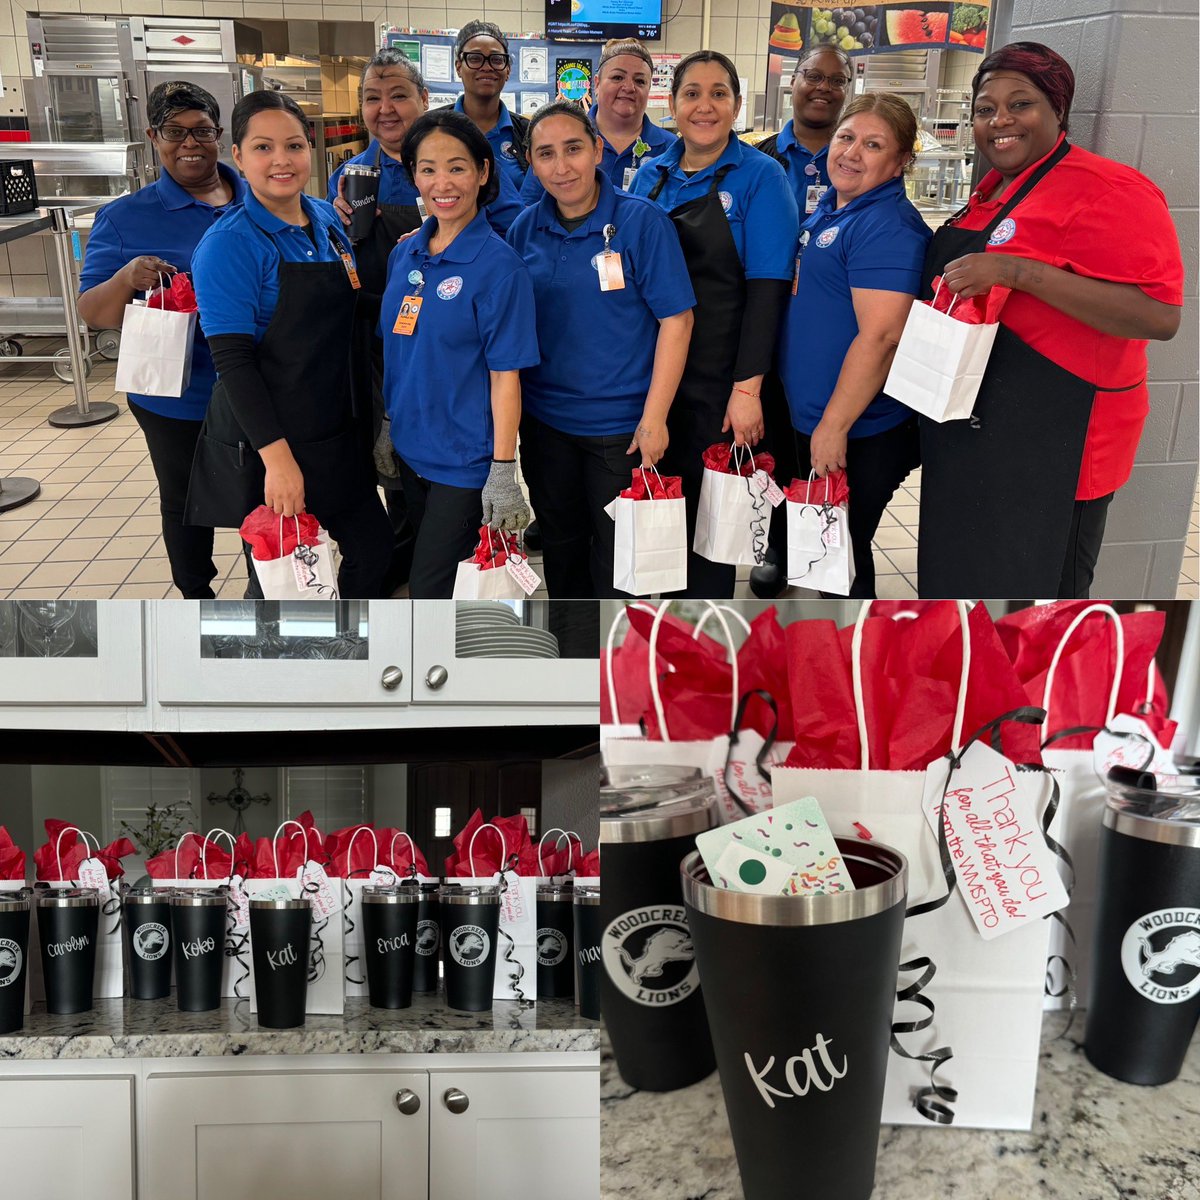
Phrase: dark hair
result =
(382, 60)
(446, 120)
(251, 105)
(704, 56)
(1047, 70)
(177, 95)
(825, 48)
(560, 108)
(619, 46)
(474, 29)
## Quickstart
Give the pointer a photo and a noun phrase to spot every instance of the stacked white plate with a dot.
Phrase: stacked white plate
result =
(493, 630)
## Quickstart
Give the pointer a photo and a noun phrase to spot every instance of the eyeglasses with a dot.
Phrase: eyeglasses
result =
(178, 133)
(839, 83)
(476, 58)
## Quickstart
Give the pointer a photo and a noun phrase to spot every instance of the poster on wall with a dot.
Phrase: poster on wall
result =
(409, 48)
(533, 67)
(435, 65)
(573, 80)
(660, 81)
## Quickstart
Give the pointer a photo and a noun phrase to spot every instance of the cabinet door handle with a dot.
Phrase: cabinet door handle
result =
(407, 1101)
(391, 678)
(456, 1101)
(436, 676)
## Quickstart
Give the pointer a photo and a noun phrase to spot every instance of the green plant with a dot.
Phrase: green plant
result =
(162, 828)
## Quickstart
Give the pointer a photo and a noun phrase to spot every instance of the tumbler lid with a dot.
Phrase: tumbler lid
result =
(551, 892)
(652, 803)
(144, 894)
(17, 901)
(360, 169)
(390, 894)
(470, 893)
(200, 897)
(587, 895)
(263, 903)
(73, 897)
(1162, 813)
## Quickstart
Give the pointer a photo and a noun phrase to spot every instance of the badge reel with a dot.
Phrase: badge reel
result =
(410, 309)
(612, 274)
(799, 252)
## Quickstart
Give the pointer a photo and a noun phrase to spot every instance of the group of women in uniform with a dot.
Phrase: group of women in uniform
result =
(608, 297)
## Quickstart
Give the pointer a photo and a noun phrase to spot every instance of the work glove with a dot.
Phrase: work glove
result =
(504, 506)
(384, 453)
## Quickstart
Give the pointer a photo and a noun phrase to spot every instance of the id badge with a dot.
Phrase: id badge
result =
(812, 197)
(406, 318)
(612, 274)
(627, 178)
(351, 273)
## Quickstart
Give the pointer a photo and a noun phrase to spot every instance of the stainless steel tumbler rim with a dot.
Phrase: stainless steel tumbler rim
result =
(651, 804)
(586, 895)
(200, 897)
(145, 896)
(360, 169)
(1151, 829)
(552, 892)
(68, 897)
(390, 894)
(267, 905)
(744, 908)
(14, 902)
(475, 893)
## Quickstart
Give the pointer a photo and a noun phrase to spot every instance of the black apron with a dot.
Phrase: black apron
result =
(998, 490)
(698, 410)
(305, 360)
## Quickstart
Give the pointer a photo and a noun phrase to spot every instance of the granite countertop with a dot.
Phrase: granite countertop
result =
(1093, 1138)
(157, 1029)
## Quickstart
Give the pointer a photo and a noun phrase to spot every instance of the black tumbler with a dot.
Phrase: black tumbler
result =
(279, 934)
(587, 951)
(147, 921)
(471, 921)
(1145, 995)
(198, 924)
(68, 928)
(14, 957)
(361, 192)
(555, 941)
(429, 938)
(389, 921)
(649, 987)
(799, 992)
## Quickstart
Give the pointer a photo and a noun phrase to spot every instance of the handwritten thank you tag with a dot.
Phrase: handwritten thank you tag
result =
(92, 874)
(769, 488)
(1128, 741)
(523, 573)
(314, 884)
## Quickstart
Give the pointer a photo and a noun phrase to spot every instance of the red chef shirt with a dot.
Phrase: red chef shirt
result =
(1105, 220)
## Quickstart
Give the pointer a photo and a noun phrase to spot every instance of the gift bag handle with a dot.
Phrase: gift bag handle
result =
(182, 838)
(654, 692)
(737, 458)
(162, 305)
(217, 832)
(649, 491)
(275, 842)
(1147, 705)
(471, 847)
(563, 833)
(1114, 617)
(856, 672)
(350, 848)
(729, 611)
(933, 302)
(828, 486)
(412, 850)
(608, 660)
(58, 844)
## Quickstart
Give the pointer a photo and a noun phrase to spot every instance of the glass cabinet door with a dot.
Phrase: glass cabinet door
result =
(71, 651)
(282, 652)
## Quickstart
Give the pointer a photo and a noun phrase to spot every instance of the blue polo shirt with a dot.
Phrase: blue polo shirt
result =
(476, 316)
(756, 196)
(167, 221)
(501, 137)
(571, 389)
(614, 165)
(876, 241)
(236, 265)
(807, 172)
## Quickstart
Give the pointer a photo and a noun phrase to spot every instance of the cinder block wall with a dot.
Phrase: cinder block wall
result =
(1136, 101)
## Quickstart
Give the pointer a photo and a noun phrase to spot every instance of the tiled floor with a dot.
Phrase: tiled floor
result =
(94, 530)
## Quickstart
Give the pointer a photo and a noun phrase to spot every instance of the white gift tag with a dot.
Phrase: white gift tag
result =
(742, 781)
(1006, 873)
(383, 876)
(1132, 751)
(512, 905)
(314, 884)
(92, 874)
(769, 488)
(239, 901)
(306, 577)
(831, 535)
(523, 573)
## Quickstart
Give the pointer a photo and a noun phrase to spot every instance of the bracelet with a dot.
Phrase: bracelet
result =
(746, 393)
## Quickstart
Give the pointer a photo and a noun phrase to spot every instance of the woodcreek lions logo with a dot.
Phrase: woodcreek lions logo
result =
(1161, 955)
(10, 961)
(648, 954)
(469, 945)
(150, 941)
(551, 947)
(428, 938)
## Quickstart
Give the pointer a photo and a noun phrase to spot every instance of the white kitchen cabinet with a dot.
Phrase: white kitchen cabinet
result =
(240, 1136)
(528, 1134)
(66, 1137)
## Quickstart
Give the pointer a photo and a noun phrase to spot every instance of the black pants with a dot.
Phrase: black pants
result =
(446, 520)
(876, 465)
(172, 445)
(1083, 547)
(571, 478)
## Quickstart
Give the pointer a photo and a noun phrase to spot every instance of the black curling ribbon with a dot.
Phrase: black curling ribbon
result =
(516, 969)
(761, 757)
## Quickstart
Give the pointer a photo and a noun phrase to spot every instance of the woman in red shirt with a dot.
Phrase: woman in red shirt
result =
(1014, 501)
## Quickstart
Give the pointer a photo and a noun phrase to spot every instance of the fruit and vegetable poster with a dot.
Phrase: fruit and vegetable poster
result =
(876, 28)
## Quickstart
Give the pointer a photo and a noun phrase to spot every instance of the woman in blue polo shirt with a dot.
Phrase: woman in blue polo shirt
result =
(736, 219)
(457, 326)
(858, 269)
(276, 285)
(619, 116)
(583, 431)
(135, 242)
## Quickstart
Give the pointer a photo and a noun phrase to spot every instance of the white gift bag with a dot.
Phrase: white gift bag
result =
(649, 544)
(820, 554)
(987, 995)
(155, 358)
(473, 581)
(309, 572)
(16, 885)
(939, 363)
(326, 965)
(733, 515)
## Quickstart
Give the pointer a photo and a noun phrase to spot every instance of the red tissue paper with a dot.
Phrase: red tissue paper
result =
(53, 866)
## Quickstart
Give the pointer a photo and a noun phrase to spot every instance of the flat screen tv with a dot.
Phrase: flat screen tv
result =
(599, 20)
